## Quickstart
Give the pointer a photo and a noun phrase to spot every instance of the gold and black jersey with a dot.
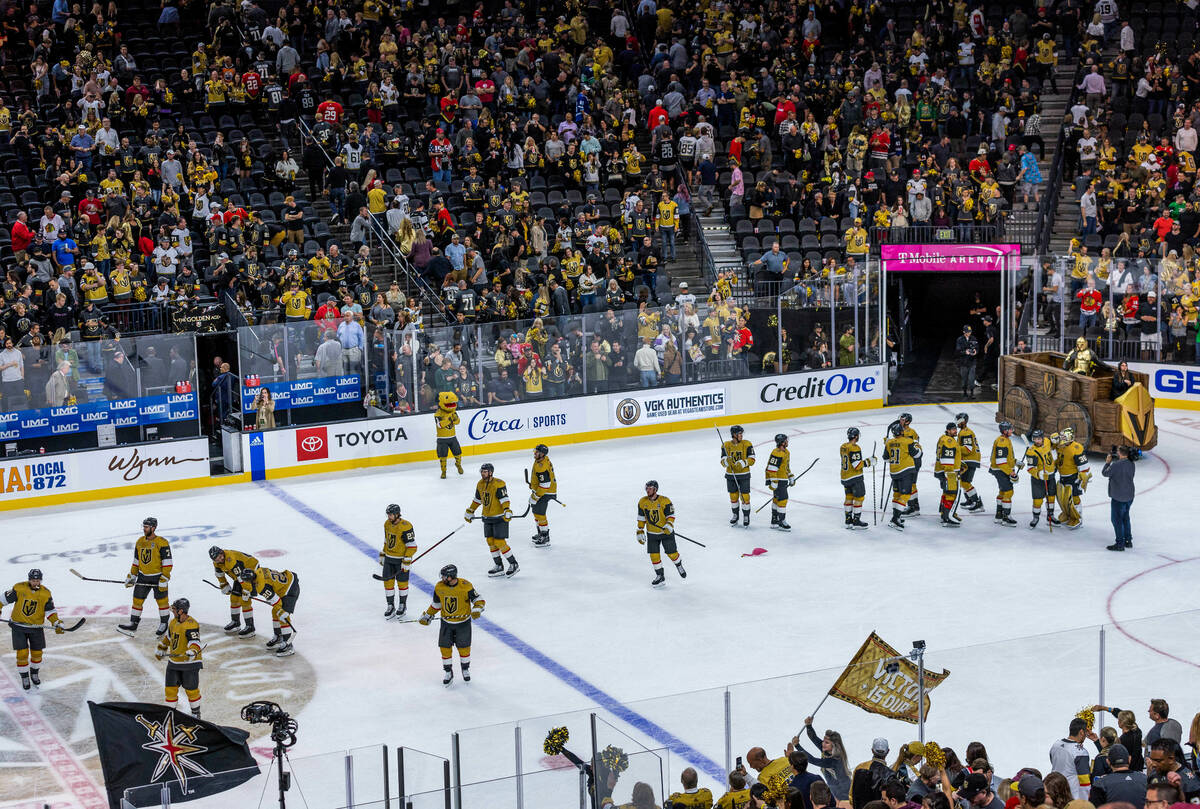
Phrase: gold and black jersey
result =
(445, 421)
(235, 562)
(656, 516)
(456, 601)
(151, 556)
(700, 799)
(181, 637)
(1039, 461)
(1072, 458)
(901, 453)
(779, 464)
(30, 607)
(399, 539)
(737, 457)
(1002, 457)
(852, 461)
(969, 444)
(492, 495)
(949, 454)
(541, 480)
(734, 799)
(270, 585)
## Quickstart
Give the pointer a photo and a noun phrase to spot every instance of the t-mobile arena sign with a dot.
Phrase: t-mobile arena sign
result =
(950, 257)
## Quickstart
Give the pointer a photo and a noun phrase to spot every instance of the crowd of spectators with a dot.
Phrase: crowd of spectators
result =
(1120, 768)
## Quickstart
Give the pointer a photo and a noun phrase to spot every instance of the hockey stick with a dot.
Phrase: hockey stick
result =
(1049, 507)
(88, 578)
(71, 628)
(874, 468)
(439, 542)
(681, 536)
(791, 482)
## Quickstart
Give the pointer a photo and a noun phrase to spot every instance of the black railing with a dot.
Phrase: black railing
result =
(936, 234)
(131, 318)
(1049, 206)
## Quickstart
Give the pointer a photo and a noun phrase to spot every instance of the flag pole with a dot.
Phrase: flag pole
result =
(819, 704)
(920, 650)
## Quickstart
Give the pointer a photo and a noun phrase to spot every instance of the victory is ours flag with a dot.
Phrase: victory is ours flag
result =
(882, 681)
(142, 745)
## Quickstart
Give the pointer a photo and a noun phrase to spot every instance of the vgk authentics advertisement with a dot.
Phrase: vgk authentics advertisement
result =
(655, 407)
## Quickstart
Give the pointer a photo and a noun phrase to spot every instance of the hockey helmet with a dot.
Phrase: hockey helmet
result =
(181, 604)
(1067, 434)
(1006, 427)
(542, 450)
(35, 574)
(247, 574)
(736, 430)
(852, 434)
(214, 552)
(1036, 435)
(393, 509)
(897, 429)
(487, 467)
(449, 572)
(951, 427)
(1055, 438)
(906, 418)
(652, 484)
(447, 400)
(150, 521)
(961, 419)
(780, 439)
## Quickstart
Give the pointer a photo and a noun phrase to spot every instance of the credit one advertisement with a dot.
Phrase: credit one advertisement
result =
(84, 418)
(114, 468)
(312, 392)
(399, 439)
(949, 257)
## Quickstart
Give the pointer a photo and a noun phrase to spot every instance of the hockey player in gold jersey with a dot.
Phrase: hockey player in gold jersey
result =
(970, 462)
(151, 570)
(913, 509)
(542, 489)
(280, 589)
(947, 462)
(656, 530)
(851, 472)
(492, 493)
(459, 604)
(902, 453)
(399, 546)
(1004, 468)
(180, 644)
(1039, 460)
(1073, 477)
(737, 456)
(445, 419)
(32, 606)
(231, 563)
(779, 478)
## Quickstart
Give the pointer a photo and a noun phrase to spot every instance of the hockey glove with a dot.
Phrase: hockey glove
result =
(164, 578)
(1014, 477)
(468, 515)
(284, 617)
(131, 579)
(641, 536)
(1084, 477)
(507, 514)
(59, 628)
(191, 654)
(791, 480)
(476, 611)
(867, 463)
(158, 654)
(533, 498)
(381, 557)
(425, 619)
(226, 589)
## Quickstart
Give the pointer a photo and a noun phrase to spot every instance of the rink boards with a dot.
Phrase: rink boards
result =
(33, 481)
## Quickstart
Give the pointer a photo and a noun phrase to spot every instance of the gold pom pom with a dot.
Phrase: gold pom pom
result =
(615, 759)
(915, 749)
(934, 755)
(556, 740)
(1087, 716)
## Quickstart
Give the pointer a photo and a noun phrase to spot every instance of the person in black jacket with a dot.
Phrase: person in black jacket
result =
(966, 351)
(1121, 785)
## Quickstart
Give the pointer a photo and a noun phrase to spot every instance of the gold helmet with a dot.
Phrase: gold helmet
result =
(1080, 343)
(1067, 434)
(1055, 438)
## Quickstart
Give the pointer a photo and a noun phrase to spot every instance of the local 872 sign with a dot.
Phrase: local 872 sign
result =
(84, 418)
(314, 392)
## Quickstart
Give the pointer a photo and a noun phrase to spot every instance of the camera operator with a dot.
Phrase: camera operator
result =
(1119, 471)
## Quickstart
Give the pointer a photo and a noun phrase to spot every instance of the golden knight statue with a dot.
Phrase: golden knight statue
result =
(1081, 360)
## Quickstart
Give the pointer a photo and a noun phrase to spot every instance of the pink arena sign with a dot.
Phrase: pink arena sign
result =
(949, 257)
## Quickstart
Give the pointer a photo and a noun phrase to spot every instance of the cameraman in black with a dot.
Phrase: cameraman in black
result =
(1119, 470)
(966, 350)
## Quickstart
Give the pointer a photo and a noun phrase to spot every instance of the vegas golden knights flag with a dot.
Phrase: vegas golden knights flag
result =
(867, 683)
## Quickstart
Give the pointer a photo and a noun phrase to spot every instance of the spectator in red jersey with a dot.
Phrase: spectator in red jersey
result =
(22, 237)
(1090, 300)
(330, 112)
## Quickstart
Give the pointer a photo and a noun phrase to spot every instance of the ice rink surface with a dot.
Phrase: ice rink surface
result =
(1013, 614)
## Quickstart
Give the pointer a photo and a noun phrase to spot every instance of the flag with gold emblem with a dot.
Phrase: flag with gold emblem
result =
(882, 681)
